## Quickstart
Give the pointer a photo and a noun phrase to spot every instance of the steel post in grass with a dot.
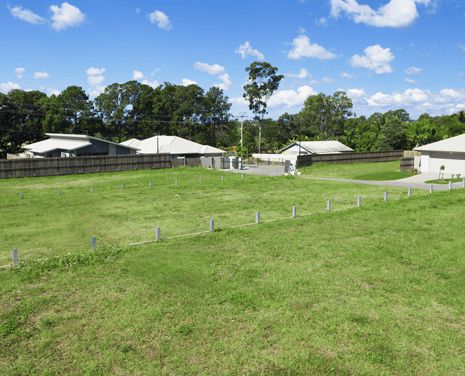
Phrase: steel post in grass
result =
(359, 201)
(450, 186)
(122, 186)
(222, 178)
(409, 192)
(212, 224)
(294, 211)
(257, 217)
(93, 242)
(15, 255)
(431, 188)
(386, 196)
(21, 195)
(242, 178)
(150, 184)
(176, 183)
(328, 205)
(58, 192)
(158, 234)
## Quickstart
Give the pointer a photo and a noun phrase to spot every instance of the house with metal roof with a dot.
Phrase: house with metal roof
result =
(316, 147)
(74, 145)
(172, 145)
(449, 153)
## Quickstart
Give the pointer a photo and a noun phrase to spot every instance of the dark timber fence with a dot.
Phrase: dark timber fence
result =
(19, 168)
(382, 156)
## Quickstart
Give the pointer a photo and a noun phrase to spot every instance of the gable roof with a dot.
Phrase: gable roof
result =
(320, 147)
(452, 145)
(62, 141)
(170, 145)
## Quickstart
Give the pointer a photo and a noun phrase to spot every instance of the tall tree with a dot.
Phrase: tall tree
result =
(263, 81)
(215, 114)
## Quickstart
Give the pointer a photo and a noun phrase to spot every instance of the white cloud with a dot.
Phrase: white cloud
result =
(322, 21)
(209, 68)
(26, 15)
(410, 81)
(408, 97)
(291, 98)
(20, 72)
(347, 76)
(413, 71)
(375, 58)
(356, 93)
(303, 48)
(66, 15)
(95, 78)
(7, 86)
(302, 75)
(153, 84)
(225, 83)
(160, 19)
(137, 75)
(327, 80)
(187, 82)
(396, 13)
(40, 75)
(246, 49)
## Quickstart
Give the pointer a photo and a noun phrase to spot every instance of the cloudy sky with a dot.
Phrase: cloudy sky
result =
(384, 53)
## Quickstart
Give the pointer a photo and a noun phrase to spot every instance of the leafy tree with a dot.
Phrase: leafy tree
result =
(215, 115)
(263, 82)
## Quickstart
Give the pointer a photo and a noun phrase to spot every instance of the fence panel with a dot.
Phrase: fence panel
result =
(383, 156)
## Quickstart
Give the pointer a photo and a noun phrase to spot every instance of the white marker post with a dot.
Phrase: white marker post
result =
(15, 255)
(257, 217)
(294, 211)
(409, 192)
(450, 186)
(386, 196)
(431, 188)
(212, 224)
(158, 234)
(359, 201)
(93, 242)
(328, 205)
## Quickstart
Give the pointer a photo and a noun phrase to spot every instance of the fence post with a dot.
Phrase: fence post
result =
(409, 192)
(212, 224)
(257, 217)
(386, 196)
(359, 201)
(294, 211)
(176, 183)
(58, 192)
(158, 234)
(450, 186)
(93, 242)
(122, 186)
(328, 205)
(242, 178)
(222, 178)
(15, 255)
(91, 189)
(431, 188)
(150, 184)
(21, 195)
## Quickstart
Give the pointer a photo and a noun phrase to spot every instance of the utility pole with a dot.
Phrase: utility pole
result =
(242, 117)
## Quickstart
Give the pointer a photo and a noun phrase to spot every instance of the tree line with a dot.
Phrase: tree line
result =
(136, 110)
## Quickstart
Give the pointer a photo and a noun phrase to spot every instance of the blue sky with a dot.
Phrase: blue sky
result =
(384, 53)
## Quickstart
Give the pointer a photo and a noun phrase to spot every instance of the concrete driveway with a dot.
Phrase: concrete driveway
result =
(416, 182)
(262, 170)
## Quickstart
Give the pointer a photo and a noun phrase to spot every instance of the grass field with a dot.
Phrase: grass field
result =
(443, 181)
(358, 171)
(45, 223)
(372, 290)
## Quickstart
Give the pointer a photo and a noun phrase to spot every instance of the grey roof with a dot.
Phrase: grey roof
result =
(170, 145)
(452, 145)
(62, 141)
(319, 147)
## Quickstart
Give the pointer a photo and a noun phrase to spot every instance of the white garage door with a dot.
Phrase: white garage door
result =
(424, 163)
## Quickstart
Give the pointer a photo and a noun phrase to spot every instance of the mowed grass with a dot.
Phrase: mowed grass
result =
(59, 215)
(358, 171)
(370, 291)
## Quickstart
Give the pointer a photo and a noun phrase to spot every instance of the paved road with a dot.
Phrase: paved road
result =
(416, 182)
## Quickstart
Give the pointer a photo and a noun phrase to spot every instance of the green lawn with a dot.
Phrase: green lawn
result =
(359, 171)
(443, 181)
(46, 223)
(370, 291)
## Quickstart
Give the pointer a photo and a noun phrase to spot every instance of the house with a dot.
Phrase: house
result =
(172, 145)
(74, 145)
(449, 153)
(315, 147)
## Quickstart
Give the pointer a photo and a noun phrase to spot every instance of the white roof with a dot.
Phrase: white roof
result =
(318, 147)
(170, 145)
(452, 145)
(62, 141)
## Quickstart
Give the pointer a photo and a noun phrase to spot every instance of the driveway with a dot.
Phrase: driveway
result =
(416, 182)
(262, 170)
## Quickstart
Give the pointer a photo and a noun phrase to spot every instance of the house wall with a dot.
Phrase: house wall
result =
(454, 163)
(104, 148)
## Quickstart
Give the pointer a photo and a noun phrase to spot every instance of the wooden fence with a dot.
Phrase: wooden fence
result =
(383, 156)
(20, 168)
